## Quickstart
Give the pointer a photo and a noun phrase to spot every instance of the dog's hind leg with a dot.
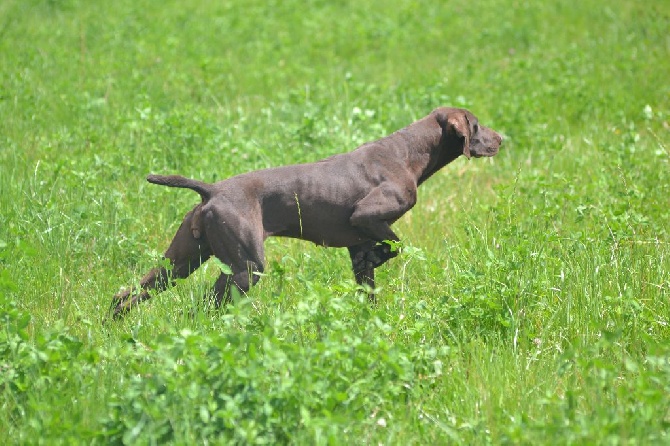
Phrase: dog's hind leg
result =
(236, 239)
(185, 254)
(242, 280)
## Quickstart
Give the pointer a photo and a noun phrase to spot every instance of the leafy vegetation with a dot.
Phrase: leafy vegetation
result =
(530, 302)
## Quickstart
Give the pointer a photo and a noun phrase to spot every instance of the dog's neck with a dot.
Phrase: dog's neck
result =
(432, 151)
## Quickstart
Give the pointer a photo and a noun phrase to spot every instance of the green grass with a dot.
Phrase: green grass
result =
(530, 304)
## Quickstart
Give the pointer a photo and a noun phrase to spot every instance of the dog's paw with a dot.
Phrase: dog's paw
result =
(381, 253)
(373, 257)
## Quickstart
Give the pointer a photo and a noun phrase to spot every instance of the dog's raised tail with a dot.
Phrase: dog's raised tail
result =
(204, 189)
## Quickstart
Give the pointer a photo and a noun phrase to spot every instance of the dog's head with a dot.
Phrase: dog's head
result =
(474, 139)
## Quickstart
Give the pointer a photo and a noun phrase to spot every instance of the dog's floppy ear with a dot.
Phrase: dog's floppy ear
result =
(459, 124)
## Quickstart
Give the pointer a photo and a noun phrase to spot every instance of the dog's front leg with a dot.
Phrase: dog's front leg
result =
(364, 270)
(185, 254)
(365, 258)
(384, 204)
(372, 215)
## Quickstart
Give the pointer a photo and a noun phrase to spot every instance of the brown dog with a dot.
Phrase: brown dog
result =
(348, 200)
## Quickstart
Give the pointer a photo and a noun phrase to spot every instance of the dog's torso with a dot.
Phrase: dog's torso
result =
(315, 201)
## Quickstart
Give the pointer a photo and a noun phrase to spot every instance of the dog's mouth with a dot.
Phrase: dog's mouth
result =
(487, 153)
(485, 145)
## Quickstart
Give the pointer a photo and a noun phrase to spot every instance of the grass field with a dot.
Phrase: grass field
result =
(530, 304)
